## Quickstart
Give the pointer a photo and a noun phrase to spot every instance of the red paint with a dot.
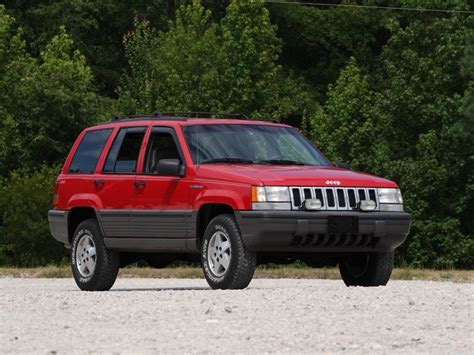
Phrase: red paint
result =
(220, 183)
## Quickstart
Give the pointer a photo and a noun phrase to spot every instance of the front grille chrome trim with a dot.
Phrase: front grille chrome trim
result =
(300, 190)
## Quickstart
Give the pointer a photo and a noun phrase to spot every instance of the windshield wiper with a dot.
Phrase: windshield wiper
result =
(281, 162)
(228, 160)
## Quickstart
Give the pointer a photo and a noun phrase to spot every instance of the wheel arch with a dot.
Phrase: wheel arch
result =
(205, 214)
(76, 216)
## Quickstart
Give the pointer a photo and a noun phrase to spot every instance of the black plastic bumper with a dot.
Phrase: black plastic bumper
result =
(58, 225)
(301, 231)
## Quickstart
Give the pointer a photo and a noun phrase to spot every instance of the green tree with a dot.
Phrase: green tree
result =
(466, 128)
(406, 118)
(96, 26)
(170, 70)
(202, 65)
(318, 41)
(347, 124)
(24, 234)
(44, 103)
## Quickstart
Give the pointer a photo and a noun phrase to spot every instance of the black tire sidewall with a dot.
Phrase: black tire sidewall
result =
(91, 228)
(377, 271)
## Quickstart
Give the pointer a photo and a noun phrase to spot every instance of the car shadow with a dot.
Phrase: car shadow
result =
(157, 289)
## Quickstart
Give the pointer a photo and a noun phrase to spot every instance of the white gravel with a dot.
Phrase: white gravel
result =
(176, 316)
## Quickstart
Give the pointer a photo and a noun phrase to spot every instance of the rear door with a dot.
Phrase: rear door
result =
(160, 205)
(76, 184)
(116, 183)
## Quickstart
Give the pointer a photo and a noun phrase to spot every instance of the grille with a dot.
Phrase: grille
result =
(335, 240)
(333, 198)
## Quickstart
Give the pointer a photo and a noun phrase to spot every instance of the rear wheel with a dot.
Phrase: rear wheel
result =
(93, 266)
(226, 263)
(368, 269)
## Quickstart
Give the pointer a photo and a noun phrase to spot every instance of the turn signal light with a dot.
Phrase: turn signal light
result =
(258, 194)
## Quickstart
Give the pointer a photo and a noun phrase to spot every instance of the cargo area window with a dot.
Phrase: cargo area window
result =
(89, 150)
(123, 154)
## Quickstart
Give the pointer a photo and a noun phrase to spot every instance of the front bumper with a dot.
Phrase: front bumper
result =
(300, 231)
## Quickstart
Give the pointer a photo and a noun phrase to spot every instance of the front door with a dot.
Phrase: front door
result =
(160, 206)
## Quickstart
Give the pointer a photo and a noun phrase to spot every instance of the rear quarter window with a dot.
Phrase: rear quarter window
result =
(88, 152)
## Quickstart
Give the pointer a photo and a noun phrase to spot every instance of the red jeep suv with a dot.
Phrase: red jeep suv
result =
(237, 192)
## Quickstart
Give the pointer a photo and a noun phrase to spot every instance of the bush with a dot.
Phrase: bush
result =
(25, 199)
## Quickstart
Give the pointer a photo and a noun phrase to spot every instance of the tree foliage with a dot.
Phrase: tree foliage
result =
(45, 101)
(392, 92)
(403, 122)
(24, 233)
(198, 64)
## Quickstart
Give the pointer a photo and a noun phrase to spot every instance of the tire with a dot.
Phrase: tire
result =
(92, 272)
(368, 270)
(232, 266)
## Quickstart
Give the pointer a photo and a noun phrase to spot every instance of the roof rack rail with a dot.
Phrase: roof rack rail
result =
(180, 115)
(192, 114)
(133, 117)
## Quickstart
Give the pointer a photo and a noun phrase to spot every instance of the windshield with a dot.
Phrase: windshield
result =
(250, 144)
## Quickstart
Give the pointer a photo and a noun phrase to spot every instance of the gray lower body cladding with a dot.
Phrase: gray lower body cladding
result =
(144, 223)
(333, 232)
(58, 225)
(272, 231)
(135, 230)
(146, 230)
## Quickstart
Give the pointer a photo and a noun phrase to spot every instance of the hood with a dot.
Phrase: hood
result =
(284, 175)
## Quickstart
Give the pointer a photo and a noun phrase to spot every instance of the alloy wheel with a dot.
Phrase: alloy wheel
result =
(86, 255)
(219, 253)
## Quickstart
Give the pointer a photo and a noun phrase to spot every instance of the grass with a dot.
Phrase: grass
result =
(272, 272)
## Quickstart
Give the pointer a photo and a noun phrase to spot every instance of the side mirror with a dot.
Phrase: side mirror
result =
(342, 165)
(169, 167)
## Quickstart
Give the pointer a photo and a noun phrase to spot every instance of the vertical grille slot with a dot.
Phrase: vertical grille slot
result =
(361, 194)
(330, 198)
(307, 193)
(373, 196)
(319, 196)
(341, 198)
(296, 197)
(352, 198)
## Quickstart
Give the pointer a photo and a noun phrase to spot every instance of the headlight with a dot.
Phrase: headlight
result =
(271, 198)
(390, 200)
(390, 196)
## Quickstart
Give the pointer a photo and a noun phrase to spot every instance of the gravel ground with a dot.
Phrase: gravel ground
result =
(183, 315)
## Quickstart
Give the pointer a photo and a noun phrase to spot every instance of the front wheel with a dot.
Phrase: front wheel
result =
(368, 269)
(226, 263)
(94, 267)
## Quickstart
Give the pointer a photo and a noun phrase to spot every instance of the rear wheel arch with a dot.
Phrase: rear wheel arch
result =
(205, 215)
(76, 216)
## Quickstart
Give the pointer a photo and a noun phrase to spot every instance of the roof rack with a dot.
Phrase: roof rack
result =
(134, 117)
(181, 115)
(234, 116)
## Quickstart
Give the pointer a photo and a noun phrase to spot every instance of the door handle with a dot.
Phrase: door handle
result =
(140, 183)
(99, 182)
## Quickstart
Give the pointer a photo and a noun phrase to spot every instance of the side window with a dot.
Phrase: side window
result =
(123, 154)
(88, 152)
(161, 145)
